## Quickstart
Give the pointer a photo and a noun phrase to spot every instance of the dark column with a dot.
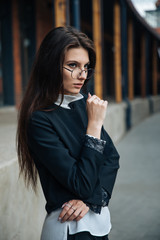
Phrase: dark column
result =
(76, 13)
(27, 27)
(143, 65)
(7, 55)
(67, 12)
(124, 49)
(130, 60)
(147, 49)
(154, 68)
(124, 57)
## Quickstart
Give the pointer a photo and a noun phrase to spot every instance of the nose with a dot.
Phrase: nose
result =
(83, 75)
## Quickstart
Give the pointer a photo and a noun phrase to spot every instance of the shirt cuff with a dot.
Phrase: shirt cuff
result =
(94, 208)
(94, 143)
(105, 198)
(97, 208)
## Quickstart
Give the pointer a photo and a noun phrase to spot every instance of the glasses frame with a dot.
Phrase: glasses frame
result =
(80, 72)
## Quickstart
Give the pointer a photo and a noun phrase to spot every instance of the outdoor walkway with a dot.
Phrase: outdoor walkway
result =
(135, 204)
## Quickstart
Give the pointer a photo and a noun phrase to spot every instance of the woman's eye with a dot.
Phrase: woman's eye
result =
(72, 65)
(86, 66)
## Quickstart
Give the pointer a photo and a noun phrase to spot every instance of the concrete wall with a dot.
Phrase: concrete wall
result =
(140, 109)
(115, 121)
(154, 104)
(22, 212)
(135, 111)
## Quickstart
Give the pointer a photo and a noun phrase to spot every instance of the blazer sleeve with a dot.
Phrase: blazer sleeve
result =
(78, 176)
(111, 164)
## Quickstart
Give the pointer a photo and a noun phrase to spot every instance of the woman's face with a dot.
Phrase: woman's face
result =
(74, 58)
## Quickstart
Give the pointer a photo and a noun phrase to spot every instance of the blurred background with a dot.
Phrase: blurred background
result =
(126, 43)
(126, 35)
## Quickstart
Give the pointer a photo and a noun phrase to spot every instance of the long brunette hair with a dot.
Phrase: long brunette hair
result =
(44, 86)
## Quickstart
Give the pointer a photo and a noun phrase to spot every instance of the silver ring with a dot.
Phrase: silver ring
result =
(73, 208)
(68, 205)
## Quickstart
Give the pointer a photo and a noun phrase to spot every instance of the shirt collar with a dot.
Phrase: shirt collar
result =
(68, 99)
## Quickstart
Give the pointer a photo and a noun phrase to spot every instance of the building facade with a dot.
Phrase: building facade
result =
(128, 64)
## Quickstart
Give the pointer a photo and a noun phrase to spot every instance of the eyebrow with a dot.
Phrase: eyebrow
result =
(74, 61)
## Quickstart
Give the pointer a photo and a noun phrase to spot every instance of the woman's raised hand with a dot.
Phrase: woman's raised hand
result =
(96, 110)
(73, 210)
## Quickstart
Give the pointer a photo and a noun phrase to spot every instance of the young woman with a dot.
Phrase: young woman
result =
(61, 138)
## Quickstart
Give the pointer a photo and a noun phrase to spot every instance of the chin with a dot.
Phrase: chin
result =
(72, 92)
(77, 92)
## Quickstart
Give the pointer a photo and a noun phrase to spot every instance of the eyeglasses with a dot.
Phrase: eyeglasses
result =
(76, 72)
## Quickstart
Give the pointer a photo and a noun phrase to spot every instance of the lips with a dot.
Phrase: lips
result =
(78, 84)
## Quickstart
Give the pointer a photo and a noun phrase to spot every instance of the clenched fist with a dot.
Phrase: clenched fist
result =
(96, 110)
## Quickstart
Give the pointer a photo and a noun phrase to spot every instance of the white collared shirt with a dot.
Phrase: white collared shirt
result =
(96, 224)
(68, 99)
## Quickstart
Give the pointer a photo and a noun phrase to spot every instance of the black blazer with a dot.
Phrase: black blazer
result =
(67, 168)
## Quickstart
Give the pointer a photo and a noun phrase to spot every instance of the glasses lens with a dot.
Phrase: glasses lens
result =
(76, 73)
